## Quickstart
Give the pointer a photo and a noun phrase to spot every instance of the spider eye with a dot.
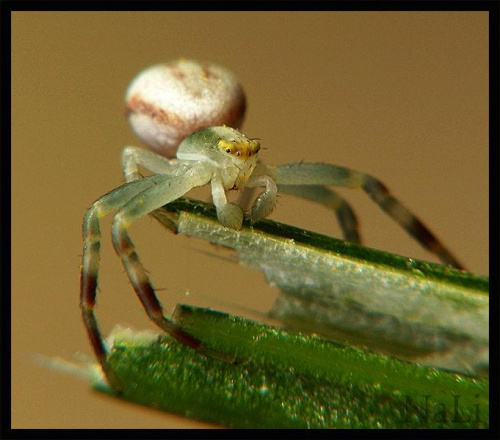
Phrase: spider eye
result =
(228, 150)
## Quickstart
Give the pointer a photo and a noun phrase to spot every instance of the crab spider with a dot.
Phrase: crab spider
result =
(227, 160)
(220, 156)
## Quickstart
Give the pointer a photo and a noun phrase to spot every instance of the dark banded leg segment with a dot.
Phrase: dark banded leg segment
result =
(144, 289)
(325, 174)
(140, 205)
(380, 194)
(88, 289)
(90, 264)
(330, 199)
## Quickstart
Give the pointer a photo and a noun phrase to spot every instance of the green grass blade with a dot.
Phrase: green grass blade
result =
(288, 380)
(415, 310)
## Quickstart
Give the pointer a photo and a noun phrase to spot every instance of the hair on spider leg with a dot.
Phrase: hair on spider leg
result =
(278, 198)
(124, 271)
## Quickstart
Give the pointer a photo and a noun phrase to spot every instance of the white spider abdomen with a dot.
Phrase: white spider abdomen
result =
(167, 102)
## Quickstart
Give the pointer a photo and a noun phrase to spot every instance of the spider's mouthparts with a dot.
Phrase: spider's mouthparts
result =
(238, 186)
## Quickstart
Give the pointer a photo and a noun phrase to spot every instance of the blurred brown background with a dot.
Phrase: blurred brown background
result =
(402, 96)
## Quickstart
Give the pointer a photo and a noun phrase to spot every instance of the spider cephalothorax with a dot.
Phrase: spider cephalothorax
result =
(227, 150)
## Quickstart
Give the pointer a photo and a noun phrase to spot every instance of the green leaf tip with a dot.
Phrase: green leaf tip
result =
(283, 379)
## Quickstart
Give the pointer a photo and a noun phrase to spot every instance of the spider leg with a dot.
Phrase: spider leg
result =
(266, 201)
(229, 214)
(132, 157)
(326, 197)
(325, 174)
(133, 200)
(165, 191)
(91, 258)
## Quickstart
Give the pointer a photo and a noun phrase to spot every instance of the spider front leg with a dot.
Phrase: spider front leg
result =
(133, 200)
(165, 191)
(307, 174)
(265, 202)
(133, 157)
(91, 259)
(229, 214)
